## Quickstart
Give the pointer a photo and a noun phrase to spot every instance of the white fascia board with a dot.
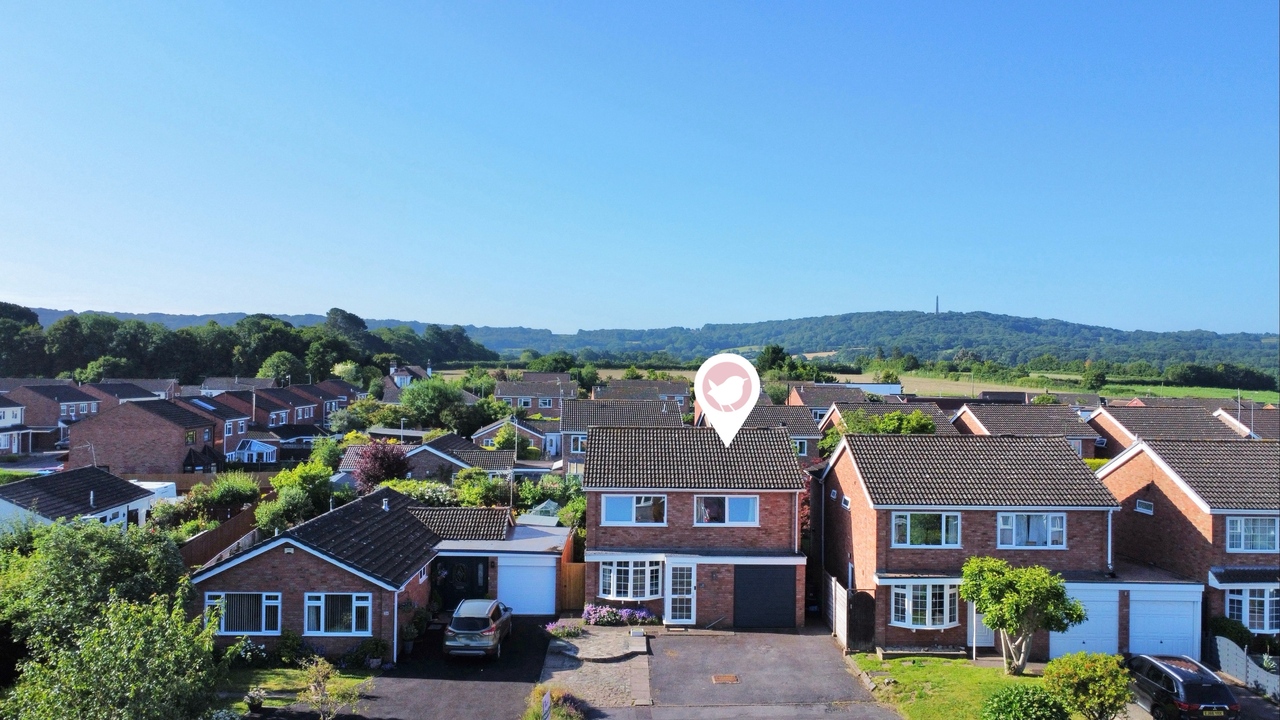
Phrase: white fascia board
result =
(914, 580)
(607, 556)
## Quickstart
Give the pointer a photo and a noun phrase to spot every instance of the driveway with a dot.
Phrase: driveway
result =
(779, 675)
(429, 686)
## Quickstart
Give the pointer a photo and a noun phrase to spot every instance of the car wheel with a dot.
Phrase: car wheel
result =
(1158, 713)
(497, 653)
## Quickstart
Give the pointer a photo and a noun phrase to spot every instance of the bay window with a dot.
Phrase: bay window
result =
(926, 605)
(1252, 534)
(1257, 608)
(726, 510)
(911, 529)
(634, 510)
(1032, 530)
(631, 579)
(338, 614)
(245, 613)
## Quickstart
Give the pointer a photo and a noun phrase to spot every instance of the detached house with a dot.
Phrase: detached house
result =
(819, 398)
(52, 409)
(15, 436)
(1030, 421)
(399, 378)
(1207, 510)
(156, 436)
(541, 434)
(579, 416)
(699, 533)
(902, 513)
(797, 421)
(87, 492)
(1122, 426)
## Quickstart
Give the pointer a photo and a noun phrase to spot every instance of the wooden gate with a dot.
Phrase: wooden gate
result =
(837, 610)
(572, 582)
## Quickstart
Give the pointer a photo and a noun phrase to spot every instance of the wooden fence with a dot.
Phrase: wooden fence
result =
(572, 589)
(200, 549)
(185, 481)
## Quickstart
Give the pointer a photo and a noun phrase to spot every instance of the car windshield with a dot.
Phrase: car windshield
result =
(1208, 694)
(469, 624)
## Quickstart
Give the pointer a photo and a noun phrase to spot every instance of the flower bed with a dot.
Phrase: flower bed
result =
(609, 615)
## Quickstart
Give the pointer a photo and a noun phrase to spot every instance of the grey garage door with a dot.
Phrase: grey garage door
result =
(764, 596)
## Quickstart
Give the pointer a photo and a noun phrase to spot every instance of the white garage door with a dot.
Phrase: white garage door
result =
(1099, 633)
(528, 584)
(1163, 627)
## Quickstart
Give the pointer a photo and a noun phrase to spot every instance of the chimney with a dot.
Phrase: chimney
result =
(92, 504)
(385, 504)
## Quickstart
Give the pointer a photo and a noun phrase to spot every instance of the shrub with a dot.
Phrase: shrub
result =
(1023, 702)
(565, 629)
(1095, 463)
(564, 705)
(601, 615)
(371, 649)
(1095, 685)
(476, 489)
(427, 492)
(572, 514)
(291, 648)
(1233, 630)
(191, 528)
(1045, 399)
(290, 508)
(639, 616)
(166, 514)
(233, 488)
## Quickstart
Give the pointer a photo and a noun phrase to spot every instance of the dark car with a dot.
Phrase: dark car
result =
(478, 627)
(1175, 686)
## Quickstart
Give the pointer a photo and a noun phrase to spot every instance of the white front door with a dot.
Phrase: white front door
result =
(980, 635)
(681, 602)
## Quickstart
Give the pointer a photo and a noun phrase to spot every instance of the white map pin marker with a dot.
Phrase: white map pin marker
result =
(727, 388)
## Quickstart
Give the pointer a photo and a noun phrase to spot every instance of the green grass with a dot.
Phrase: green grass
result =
(937, 688)
(8, 476)
(286, 680)
(1120, 389)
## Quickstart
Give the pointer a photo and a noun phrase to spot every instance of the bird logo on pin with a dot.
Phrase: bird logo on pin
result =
(728, 388)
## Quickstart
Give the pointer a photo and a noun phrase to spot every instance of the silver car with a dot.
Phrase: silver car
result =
(478, 627)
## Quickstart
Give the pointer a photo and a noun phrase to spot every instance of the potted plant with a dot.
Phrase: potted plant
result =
(254, 698)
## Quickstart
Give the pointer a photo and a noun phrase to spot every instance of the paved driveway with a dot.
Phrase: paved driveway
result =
(780, 675)
(430, 687)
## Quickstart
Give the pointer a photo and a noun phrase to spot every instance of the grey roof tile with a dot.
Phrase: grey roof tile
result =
(941, 422)
(824, 396)
(1180, 423)
(466, 523)
(1227, 474)
(66, 494)
(691, 458)
(1032, 420)
(797, 420)
(577, 416)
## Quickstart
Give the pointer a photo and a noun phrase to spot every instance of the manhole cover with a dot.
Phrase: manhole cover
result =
(724, 679)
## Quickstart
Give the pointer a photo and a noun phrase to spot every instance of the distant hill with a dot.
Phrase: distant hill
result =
(1005, 338)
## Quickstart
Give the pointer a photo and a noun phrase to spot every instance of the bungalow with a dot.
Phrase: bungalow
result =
(1255, 423)
(156, 436)
(697, 532)
(901, 514)
(442, 459)
(1029, 421)
(1207, 510)
(820, 398)
(15, 436)
(579, 416)
(1121, 427)
(86, 492)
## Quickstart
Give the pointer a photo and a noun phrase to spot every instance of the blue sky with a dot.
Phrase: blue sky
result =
(645, 165)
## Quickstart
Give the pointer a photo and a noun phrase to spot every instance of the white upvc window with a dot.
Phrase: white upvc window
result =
(631, 579)
(633, 510)
(544, 402)
(1043, 531)
(577, 443)
(926, 605)
(801, 446)
(1146, 507)
(4, 441)
(228, 428)
(240, 426)
(487, 442)
(916, 529)
(525, 402)
(721, 510)
(1258, 608)
(65, 409)
(84, 408)
(245, 613)
(338, 614)
(1252, 534)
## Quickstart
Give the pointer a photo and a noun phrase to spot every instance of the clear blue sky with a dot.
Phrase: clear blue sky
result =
(644, 165)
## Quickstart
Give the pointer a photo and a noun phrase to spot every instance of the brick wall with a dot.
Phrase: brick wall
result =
(713, 599)
(295, 574)
(42, 411)
(1117, 437)
(777, 530)
(127, 439)
(534, 440)
(966, 424)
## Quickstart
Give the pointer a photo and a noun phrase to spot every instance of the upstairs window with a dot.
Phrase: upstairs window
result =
(634, 510)
(1032, 530)
(191, 437)
(525, 402)
(228, 428)
(577, 443)
(240, 426)
(208, 434)
(926, 530)
(544, 402)
(801, 446)
(726, 510)
(1252, 534)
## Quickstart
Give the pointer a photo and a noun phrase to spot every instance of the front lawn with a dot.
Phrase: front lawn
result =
(936, 688)
(276, 680)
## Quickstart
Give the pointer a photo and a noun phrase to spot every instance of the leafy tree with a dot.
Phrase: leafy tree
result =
(860, 422)
(323, 354)
(380, 461)
(104, 367)
(324, 695)
(22, 350)
(632, 373)
(466, 419)
(343, 420)
(508, 437)
(260, 336)
(586, 376)
(777, 392)
(281, 365)
(1045, 399)
(558, 361)
(1095, 685)
(1018, 602)
(886, 376)
(476, 489)
(327, 452)
(389, 416)
(290, 507)
(137, 661)
(1093, 379)
(61, 582)
(24, 316)
(345, 325)
(771, 357)
(429, 400)
(479, 382)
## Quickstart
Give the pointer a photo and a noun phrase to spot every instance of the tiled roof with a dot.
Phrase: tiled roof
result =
(1178, 423)
(1226, 474)
(823, 396)
(543, 426)
(236, 383)
(8, 384)
(285, 396)
(1245, 575)
(61, 393)
(1263, 423)
(152, 385)
(173, 413)
(351, 458)
(579, 415)
(214, 407)
(468, 453)
(7, 403)
(507, 388)
(975, 470)
(390, 545)
(941, 422)
(640, 389)
(66, 494)
(340, 387)
(691, 458)
(313, 392)
(466, 523)
(263, 402)
(123, 391)
(509, 420)
(1209, 404)
(1032, 420)
(294, 432)
(797, 420)
(546, 377)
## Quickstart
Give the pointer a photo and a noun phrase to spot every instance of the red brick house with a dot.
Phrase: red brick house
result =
(399, 378)
(85, 492)
(545, 398)
(579, 416)
(1207, 510)
(674, 390)
(1123, 426)
(798, 423)
(231, 424)
(902, 513)
(361, 570)
(694, 531)
(1029, 421)
(156, 436)
(541, 434)
(327, 401)
(820, 398)
(442, 459)
(52, 409)
(163, 388)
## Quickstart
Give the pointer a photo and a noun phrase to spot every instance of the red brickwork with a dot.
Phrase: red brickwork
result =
(777, 530)
(713, 599)
(1117, 437)
(128, 439)
(42, 411)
